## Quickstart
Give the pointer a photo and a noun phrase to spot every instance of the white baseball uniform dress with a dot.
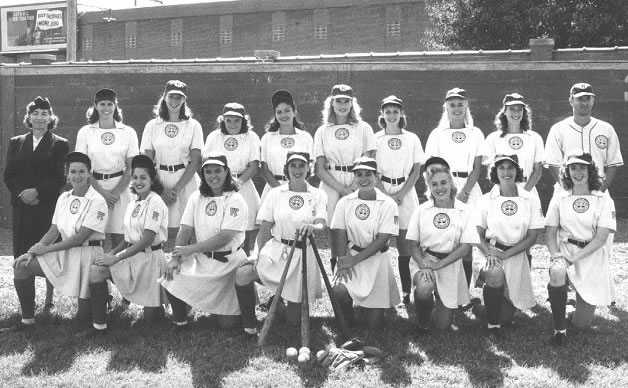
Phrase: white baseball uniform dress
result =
(507, 221)
(136, 276)
(172, 143)
(68, 270)
(459, 147)
(578, 217)
(372, 283)
(442, 230)
(341, 145)
(108, 149)
(288, 210)
(528, 146)
(240, 150)
(396, 155)
(275, 148)
(205, 282)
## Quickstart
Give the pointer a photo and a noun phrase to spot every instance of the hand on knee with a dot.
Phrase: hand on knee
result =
(494, 276)
(558, 275)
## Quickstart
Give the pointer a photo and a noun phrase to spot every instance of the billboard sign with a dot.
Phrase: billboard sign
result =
(34, 27)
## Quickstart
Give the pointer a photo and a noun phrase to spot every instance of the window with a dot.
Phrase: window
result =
(279, 33)
(86, 44)
(320, 31)
(175, 39)
(226, 36)
(130, 41)
(393, 29)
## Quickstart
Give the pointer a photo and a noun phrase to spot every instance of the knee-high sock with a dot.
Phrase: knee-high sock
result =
(25, 289)
(246, 298)
(558, 301)
(493, 301)
(333, 262)
(179, 308)
(99, 293)
(424, 309)
(84, 312)
(404, 273)
(468, 270)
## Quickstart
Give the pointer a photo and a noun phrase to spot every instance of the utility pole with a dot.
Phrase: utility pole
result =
(71, 28)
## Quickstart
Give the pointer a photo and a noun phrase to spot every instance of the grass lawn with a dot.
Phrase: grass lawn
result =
(135, 355)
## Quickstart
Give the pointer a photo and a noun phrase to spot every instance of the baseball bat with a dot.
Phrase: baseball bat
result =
(305, 303)
(344, 329)
(272, 312)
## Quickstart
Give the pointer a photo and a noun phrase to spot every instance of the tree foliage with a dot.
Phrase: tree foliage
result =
(510, 24)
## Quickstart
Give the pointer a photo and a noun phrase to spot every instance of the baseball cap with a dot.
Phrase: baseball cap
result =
(105, 95)
(364, 163)
(392, 100)
(500, 158)
(176, 87)
(578, 158)
(304, 156)
(436, 160)
(40, 103)
(581, 89)
(513, 99)
(233, 109)
(220, 160)
(456, 93)
(341, 91)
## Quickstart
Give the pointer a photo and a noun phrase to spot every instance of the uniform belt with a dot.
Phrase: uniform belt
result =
(360, 249)
(460, 174)
(438, 255)
(340, 168)
(155, 247)
(578, 243)
(393, 181)
(280, 177)
(94, 243)
(237, 175)
(220, 256)
(299, 244)
(501, 246)
(104, 177)
(172, 167)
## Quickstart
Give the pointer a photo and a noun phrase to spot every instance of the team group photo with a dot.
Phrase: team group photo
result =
(396, 221)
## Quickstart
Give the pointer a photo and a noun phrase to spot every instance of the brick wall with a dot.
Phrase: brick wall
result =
(422, 86)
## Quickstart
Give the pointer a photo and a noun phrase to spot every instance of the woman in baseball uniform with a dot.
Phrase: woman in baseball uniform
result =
(441, 232)
(399, 157)
(80, 217)
(364, 222)
(110, 146)
(341, 139)
(235, 139)
(202, 274)
(138, 261)
(284, 134)
(295, 206)
(461, 144)
(174, 140)
(578, 222)
(510, 219)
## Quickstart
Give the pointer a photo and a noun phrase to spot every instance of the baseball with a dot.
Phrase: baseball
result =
(291, 352)
(304, 349)
(304, 357)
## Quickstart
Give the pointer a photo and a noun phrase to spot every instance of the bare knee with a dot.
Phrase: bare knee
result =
(245, 275)
(558, 275)
(494, 276)
(98, 273)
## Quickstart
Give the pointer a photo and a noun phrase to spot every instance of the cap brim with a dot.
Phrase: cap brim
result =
(497, 160)
(363, 167)
(176, 92)
(580, 94)
(576, 160)
(213, 161)
(342, 96)
(232, 113)
(455, 96)
(299, 157)
(509, 103)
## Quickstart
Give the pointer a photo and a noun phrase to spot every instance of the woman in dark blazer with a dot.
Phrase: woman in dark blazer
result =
(34, 175)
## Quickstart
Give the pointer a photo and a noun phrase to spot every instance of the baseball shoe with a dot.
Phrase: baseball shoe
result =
(91, 332)
(19, 327)
(558, 339)
(496, 335)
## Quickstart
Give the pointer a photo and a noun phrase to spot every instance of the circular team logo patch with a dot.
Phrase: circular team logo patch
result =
(296, 202)
(287, 142)
(515, 142)
(509, 208)
(74, 206)
(362, 211)
(601, 141)
(394, 143)
(441, 220)
(581, 205)
(341, 133)
(458, 137)
(231, 144)
(211, 208)
(107, 138)
(136, 211)
(171, 130)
